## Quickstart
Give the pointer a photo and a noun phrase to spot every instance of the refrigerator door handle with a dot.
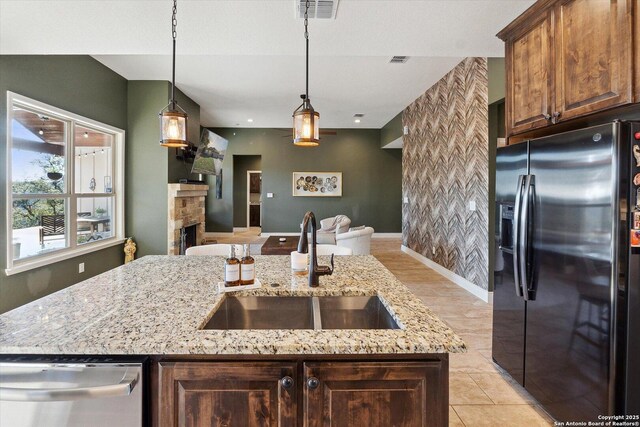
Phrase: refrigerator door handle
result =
(516, 236)
(523, 239)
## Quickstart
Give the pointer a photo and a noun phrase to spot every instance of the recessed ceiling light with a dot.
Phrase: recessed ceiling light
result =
(357, 120)
(86, 135)
(41, 131)
(250, 120)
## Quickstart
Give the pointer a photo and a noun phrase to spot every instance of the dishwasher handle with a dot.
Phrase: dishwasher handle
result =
(123, 388)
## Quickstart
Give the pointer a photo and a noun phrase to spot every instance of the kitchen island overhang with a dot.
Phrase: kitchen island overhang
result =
(158, 305)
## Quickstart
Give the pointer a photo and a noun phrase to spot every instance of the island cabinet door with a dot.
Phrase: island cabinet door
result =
(381, 394)
(193, 394)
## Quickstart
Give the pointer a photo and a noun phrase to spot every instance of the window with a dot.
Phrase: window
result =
(64, 186)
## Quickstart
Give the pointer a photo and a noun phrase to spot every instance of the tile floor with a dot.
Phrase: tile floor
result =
(480, 394)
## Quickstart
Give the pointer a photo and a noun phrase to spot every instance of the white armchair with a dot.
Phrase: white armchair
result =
(358, 240)
(331, 227)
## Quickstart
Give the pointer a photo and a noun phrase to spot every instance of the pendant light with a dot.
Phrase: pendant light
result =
(306, 130)
(173, 119)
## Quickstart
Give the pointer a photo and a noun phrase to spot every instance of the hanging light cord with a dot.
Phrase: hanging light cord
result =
(174, 24)
(306, 36)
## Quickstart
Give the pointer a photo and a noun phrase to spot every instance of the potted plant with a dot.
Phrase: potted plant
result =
(100, 212)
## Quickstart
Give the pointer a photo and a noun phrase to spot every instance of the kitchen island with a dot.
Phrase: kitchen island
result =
(158, 305)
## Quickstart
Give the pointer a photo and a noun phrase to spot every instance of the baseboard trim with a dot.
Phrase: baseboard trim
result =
(374, 236)
(217, 234)
(386, 235)
(476, 291)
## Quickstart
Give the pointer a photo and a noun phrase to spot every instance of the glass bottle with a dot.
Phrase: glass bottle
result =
(232, 269)
(247, 267)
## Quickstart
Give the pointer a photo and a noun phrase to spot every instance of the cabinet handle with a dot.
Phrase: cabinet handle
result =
(313, 383)
(287, 382)
(555, 117)
(547, 117)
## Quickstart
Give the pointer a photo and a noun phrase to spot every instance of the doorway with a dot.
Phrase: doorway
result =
(254, 199)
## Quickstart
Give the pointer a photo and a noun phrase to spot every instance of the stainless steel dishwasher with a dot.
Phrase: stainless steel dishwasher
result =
(71, 392)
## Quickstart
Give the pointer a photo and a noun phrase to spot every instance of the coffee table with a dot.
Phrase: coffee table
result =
(274, 247)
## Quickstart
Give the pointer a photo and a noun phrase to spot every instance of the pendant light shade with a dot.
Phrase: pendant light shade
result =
(173, 127)
(306, 120)
(306, 125)
(173, 119)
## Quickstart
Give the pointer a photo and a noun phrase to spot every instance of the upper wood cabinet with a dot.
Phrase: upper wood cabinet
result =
(529, 76)
(568, 58)
(594, 56)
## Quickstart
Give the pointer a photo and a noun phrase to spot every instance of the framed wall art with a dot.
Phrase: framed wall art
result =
(317, 184)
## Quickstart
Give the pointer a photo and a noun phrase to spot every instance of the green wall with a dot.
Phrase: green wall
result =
(391, 131)
(146, 178)
(147, 210)
(497, 79)
(372, 188)
(242, 164)
(83, 86)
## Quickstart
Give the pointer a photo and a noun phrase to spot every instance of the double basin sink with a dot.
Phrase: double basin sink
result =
(309, 312)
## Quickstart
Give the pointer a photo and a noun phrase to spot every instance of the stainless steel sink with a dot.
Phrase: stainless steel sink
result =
(355, 313)
(276, 312)
(263, 313)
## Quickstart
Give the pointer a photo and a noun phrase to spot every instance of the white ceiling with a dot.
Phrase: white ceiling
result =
(242, 59)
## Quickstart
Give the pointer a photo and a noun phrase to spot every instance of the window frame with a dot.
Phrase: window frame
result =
(70, 196)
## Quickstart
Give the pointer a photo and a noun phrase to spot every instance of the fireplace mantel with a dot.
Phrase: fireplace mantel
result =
(187, 190)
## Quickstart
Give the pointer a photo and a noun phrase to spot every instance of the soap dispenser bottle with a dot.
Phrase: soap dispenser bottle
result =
(247, 267)
(232, 269)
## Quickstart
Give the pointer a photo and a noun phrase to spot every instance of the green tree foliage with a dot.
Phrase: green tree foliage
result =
(27, 212)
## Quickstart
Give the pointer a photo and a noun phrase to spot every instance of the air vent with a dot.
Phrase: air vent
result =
(399, 59)
(318, 9)
(358, 115)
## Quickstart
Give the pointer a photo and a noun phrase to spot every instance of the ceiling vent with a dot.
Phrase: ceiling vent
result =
(318, 9)
(358, 115)
(399, 59)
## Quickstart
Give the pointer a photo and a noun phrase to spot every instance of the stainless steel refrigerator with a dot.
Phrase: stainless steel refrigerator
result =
(567, 280)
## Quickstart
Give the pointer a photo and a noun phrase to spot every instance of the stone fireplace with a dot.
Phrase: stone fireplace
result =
(186, 208)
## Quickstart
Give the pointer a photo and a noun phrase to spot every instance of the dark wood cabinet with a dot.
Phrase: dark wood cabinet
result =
(255, 183)
(529, 76)
(254, 216)
(193, 394)
(196, 391)
(570, 58)
(636, 53)
(593, 56)
(376, 394)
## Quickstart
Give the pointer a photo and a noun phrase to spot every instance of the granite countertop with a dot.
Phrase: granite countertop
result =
(157, 305)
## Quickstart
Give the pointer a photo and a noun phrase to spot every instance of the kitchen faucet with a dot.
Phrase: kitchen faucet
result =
(315, 270)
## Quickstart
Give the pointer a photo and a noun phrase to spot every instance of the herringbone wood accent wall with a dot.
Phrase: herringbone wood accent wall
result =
(444, 166)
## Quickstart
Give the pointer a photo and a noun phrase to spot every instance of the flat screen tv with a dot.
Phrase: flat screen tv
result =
(210, 154)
